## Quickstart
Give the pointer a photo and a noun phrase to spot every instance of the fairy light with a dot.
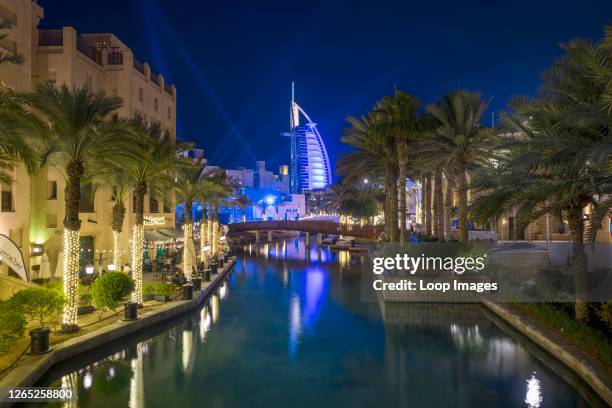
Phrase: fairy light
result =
(203, 239)
(116, 248)
(137, 254)
(187, 261)
(215, 237)
(71, 277)
(209, 234)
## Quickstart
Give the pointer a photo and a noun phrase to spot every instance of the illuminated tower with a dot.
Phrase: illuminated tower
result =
(310, 168)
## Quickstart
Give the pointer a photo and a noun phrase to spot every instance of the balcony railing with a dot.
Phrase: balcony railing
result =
(138, 66)
(88, 50)
(115, 58)
(50, 38)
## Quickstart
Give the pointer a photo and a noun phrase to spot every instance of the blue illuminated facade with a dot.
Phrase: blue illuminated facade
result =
(310, 168)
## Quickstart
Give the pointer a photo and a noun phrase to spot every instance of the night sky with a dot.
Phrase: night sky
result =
(233, 61)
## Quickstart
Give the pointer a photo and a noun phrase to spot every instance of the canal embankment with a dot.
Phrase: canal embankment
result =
(30, 368)
(591, 370)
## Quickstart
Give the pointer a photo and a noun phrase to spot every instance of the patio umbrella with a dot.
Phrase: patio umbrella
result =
(45, 267)
(59, 269)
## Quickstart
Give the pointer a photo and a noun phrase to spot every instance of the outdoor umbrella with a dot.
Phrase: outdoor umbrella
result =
(45, 267)
(59, 269)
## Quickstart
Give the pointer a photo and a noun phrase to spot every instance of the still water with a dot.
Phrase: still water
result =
(289, 329)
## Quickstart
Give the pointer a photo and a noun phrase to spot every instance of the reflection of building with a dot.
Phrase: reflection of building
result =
(310, 166)
(33, 207)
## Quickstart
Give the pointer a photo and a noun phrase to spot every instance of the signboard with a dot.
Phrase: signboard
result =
(154, 220)
(11, 255)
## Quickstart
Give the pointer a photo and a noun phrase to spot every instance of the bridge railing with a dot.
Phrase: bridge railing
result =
(313, 226)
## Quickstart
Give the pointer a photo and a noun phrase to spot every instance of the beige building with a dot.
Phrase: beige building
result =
(32, 209)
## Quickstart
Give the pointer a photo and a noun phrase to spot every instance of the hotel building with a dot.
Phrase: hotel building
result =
(32, 208)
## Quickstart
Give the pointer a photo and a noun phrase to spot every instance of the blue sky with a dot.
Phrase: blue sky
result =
(233, 61)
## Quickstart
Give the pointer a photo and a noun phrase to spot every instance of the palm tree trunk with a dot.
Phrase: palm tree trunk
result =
(403, 163)
(188, 234)
(209, 236)
(438, 207)
(463, 207)
(448, 209)
(117, 226)
(203, 237)
(138, 241)
(391, 212)
(579, 262)
(427, 203)
(215, 232)
(72, 227)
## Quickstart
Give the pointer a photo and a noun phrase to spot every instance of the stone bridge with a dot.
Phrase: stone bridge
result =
(308, 226)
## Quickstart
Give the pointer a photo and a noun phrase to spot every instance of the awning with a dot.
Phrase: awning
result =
(169, 233)
(155, 236)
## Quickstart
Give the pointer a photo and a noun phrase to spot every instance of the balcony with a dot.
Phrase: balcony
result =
(50, 38)
(115, 56)
(88, 50)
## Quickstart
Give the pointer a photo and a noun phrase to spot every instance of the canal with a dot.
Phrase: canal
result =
(289, 329)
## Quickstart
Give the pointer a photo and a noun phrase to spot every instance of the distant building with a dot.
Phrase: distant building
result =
(310, 165)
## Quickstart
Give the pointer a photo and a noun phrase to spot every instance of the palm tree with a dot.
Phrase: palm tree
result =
(215, 197)
(190, 186)
(460, 143)
(80, 128)
(338, 195)
(18, 131)
(242, 201)
(111, 174)
(375, 155)
(399, 117)
(558, 161)
(153, 170)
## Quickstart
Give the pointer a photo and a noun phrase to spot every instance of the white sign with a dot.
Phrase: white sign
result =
(11, 255)
(154, 220)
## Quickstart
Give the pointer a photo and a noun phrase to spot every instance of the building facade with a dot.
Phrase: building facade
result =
(33, 206)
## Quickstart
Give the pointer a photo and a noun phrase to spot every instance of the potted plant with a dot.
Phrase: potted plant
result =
(112, 288)
(39, 304)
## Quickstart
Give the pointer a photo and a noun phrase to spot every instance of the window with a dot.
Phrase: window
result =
(51, 190)
(169, 112)
(7, 201)
(167, 206)
(87, 199)
(155, 104)
(140, 95)
(153, 205)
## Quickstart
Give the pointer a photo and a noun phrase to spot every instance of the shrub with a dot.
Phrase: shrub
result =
(38, 303)
(55, 285)
(149, 288)
(12, 325)
(110, 289)
(85, 299)
(165, 289)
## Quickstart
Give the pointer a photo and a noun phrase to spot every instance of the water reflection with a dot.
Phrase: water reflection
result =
(533, 399)
(305, 326)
